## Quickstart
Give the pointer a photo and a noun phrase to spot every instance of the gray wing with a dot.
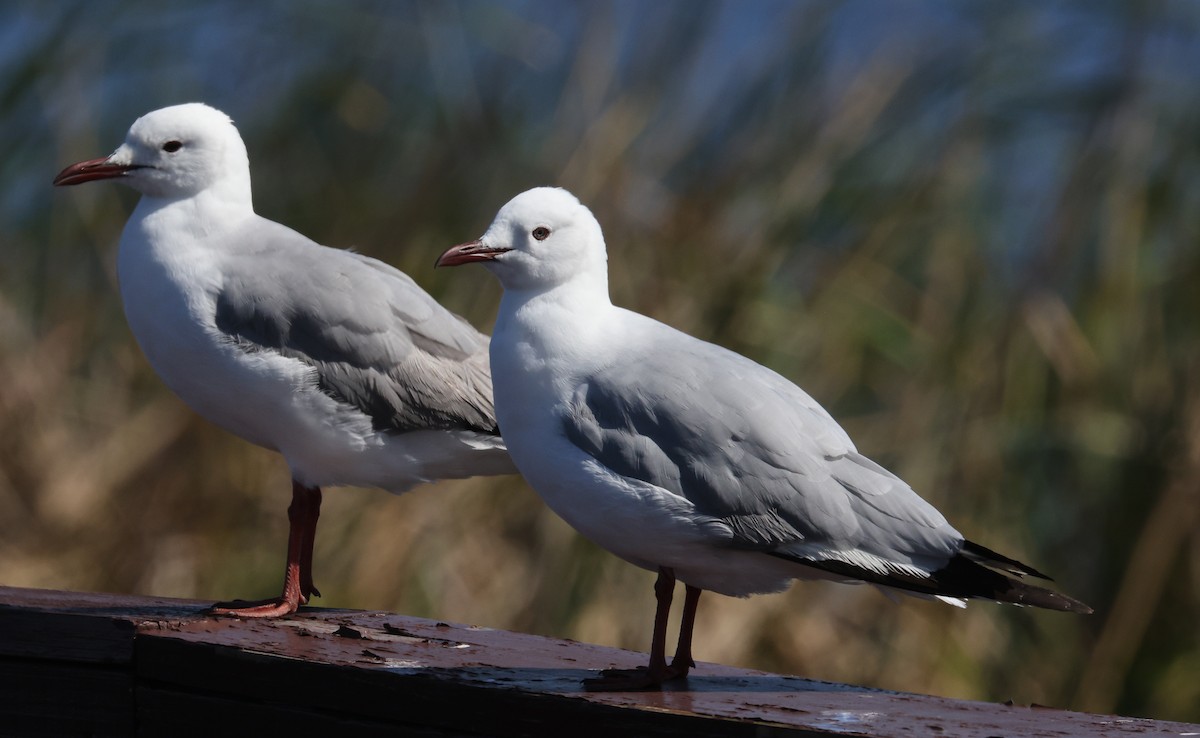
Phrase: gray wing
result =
(764, 465)
(377, 340)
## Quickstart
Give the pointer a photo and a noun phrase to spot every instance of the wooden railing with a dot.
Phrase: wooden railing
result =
(111, 665)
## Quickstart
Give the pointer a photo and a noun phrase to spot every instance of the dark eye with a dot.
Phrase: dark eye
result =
(541, 233)
(172, 146)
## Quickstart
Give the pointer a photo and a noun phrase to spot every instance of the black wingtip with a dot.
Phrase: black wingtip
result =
(964, 577)
(1020, 593)
(988, 557)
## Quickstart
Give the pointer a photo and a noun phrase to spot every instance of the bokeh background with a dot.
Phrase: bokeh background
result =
(968, 229)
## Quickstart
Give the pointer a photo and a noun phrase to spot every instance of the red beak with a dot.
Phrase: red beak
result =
(92, 169)
(465, 253)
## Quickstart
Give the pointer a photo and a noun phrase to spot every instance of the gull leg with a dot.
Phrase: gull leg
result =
(658, 671)
(664, 591)
(683, 652)
(313, 512)
(297, 579)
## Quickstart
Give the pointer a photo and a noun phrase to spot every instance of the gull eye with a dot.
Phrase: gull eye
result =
(172, 146)
(541, 233)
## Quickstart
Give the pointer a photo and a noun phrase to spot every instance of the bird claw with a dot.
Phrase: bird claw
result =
(275, 607)
(641, 679)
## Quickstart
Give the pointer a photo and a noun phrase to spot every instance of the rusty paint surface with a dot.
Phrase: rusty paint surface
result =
(412, 647)
(405, 651)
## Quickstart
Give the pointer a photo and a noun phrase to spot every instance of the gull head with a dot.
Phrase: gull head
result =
(174, 152)
(540, 239)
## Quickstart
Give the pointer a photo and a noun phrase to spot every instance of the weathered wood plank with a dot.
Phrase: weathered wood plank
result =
(368, 673)
(397, 665)
(79, 626)
(67, 636)
(478, 700)
(186, 714)
(41, 699)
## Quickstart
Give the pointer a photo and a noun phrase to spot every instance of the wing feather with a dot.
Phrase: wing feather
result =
(756, 455)
(377, 341)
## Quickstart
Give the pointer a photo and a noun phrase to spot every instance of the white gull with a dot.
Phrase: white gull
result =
(337, 361)
(687, 459)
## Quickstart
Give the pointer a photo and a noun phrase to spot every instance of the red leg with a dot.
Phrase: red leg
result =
(664, 591)
(658, 671)
(683, 652)
(313, 510)
(297, 578)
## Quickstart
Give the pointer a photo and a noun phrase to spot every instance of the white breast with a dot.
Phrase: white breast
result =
(640, 522)
(169, 288)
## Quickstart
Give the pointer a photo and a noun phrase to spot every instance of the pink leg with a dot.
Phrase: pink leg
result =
(297, 579)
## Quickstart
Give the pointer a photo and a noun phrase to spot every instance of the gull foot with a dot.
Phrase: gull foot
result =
(641, 679)
(275, 607)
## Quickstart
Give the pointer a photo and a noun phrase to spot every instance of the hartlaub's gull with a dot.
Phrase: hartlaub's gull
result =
(336, 360)
(687, 459)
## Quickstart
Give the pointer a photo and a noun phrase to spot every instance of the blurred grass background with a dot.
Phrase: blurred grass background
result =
(968, 229)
